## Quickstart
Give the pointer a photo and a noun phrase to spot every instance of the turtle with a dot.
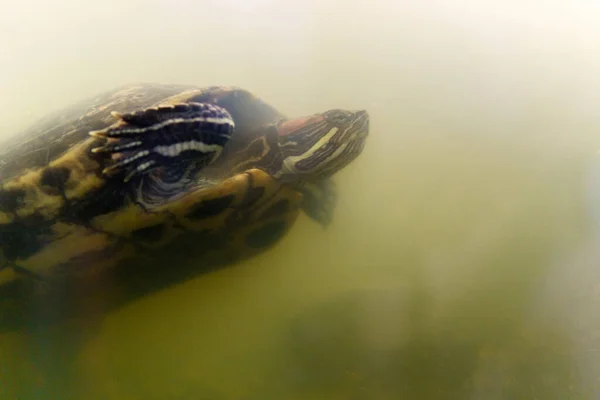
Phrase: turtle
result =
(164, 173)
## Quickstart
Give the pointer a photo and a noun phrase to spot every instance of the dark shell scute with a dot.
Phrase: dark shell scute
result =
(10, 200)
(149, 233)
(55, 178)
(109, 198)
(267, 235)
(252, 196)
(277, 209)
(211, 208)
(24, 236)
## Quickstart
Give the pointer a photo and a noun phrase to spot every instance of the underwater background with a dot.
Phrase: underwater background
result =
(464, 258)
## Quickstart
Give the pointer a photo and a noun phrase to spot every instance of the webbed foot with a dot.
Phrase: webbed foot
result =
(320, 199)
(165, 135)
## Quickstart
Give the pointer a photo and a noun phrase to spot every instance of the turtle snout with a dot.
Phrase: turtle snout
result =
(362, 122)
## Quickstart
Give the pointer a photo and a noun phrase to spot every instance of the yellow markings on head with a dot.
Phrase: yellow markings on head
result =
(250, 157)
(289, 163)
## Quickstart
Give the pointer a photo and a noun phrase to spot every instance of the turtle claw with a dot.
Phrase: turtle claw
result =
(100, 133)
(143, 165)
(117, 147)
(150, 138)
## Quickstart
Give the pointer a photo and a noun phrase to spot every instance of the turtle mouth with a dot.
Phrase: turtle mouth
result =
(362, 123)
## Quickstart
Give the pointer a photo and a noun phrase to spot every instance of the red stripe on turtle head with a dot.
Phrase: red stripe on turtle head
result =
(293, 125)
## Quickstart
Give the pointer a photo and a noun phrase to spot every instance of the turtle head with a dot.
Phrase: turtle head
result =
(322, 144)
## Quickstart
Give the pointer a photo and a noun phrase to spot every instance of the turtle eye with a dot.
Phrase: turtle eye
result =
(339, 117)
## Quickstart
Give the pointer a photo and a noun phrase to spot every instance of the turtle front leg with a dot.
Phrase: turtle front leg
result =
(165, 136)
(320, 199)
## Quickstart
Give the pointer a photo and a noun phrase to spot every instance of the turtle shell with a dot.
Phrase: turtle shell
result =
(62, 222)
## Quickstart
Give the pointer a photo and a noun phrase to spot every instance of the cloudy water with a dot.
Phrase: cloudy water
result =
(463, 261)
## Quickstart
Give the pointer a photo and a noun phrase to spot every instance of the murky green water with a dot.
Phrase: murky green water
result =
(463, 260)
